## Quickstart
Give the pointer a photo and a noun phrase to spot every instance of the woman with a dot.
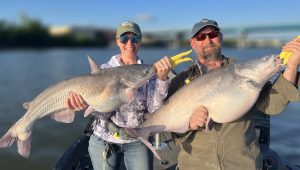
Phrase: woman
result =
(108, 145)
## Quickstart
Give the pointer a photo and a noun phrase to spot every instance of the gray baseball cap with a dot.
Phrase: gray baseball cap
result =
(203, 23)
(128, 26)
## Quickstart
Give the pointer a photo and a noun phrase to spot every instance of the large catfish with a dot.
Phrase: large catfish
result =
(104, 90)
(228, 93)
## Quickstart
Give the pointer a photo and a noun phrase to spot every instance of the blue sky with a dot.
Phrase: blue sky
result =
(153, 14)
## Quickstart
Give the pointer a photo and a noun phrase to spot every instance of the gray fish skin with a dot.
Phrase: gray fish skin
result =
(105, 90)
(228, 93)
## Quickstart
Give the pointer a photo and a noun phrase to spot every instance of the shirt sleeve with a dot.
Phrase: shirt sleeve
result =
(274, 98)
(157, 91)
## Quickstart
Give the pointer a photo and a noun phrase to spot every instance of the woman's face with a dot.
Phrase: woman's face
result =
(129, 44)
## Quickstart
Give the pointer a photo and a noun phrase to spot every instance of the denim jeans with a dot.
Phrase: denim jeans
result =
(136, 155)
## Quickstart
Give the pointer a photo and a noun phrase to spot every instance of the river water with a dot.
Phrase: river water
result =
(25, 73)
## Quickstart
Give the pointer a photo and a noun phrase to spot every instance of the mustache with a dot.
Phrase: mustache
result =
(210, 45)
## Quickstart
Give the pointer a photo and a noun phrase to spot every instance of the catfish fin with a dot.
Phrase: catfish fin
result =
(143, 134)
(88, 111)
(94, 67)
(26, 105)
(64, 116)
(149, 145)
(24, 147)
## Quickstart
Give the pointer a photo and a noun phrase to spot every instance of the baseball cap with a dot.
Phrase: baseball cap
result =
(128, 26)
(203, 23)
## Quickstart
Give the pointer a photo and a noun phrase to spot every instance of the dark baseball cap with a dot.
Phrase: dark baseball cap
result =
(203, 23)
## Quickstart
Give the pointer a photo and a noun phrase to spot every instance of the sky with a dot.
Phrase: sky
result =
(153, 14)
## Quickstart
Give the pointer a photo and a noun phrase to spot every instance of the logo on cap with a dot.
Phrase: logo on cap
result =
(127, 24)
(205, 20)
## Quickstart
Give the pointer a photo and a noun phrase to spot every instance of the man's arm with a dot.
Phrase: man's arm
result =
(274, 98)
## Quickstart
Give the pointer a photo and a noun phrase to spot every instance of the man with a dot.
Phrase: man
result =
(231, 145)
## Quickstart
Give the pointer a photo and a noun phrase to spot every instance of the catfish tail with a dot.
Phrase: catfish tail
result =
(7, 140)
(23, 145)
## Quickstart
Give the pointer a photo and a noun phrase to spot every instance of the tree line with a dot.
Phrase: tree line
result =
(31, 33)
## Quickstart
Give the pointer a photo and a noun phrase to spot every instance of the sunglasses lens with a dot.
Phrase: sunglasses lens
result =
(211, 35)
(124, 39)
(200, 37)
(134, 39)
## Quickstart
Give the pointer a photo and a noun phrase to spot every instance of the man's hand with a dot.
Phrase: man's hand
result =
(163, 67)
(294, 60)
(75, 102)
(294, 47)
(198, 118)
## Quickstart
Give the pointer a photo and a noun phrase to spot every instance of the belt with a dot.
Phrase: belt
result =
(117, 132)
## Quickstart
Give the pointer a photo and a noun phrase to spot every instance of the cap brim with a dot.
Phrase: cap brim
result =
(204, 27)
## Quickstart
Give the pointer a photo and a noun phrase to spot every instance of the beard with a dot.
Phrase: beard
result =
(212, 54)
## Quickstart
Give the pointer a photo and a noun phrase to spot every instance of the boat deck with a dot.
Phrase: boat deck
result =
(168, 156)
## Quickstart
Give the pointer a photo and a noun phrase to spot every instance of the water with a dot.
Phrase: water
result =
(25, 73)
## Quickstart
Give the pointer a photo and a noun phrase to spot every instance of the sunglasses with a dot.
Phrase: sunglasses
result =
(211, 35)
(135, 39)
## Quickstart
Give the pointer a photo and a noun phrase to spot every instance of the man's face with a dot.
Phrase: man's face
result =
(207, 44)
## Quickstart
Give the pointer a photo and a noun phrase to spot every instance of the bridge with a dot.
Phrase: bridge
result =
(240, 35)
(244, 33)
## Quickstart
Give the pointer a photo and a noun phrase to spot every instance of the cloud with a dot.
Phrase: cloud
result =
(145, 18)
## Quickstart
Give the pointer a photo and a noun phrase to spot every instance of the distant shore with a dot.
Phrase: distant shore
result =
(31, 33)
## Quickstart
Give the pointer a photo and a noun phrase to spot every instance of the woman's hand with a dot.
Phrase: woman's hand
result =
(75, 102)
(163, 67)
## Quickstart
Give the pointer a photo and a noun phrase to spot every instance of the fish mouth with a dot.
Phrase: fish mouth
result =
(149, 74)
(136, 82)
(274, 61)
(261, 70)
(274, 66)
(277, 62)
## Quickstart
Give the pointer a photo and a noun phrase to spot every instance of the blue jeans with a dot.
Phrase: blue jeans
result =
(136, 155)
